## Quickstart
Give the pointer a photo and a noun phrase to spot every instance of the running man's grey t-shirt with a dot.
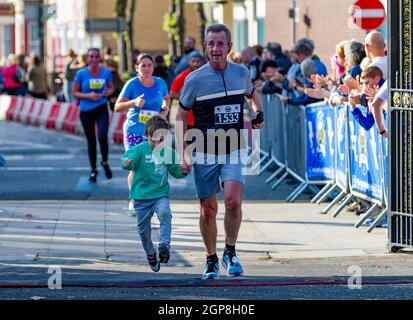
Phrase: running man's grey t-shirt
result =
(217, 100)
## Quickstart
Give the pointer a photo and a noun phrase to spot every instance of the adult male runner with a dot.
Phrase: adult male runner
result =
(216, 94)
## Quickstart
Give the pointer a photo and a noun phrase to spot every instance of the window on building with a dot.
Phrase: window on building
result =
(218, 14)
(8, 31)
(240, 28)
(260, 18)
(34, 37)
(261, 31)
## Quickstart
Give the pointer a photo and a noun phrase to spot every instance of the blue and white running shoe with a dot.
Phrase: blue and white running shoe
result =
(211, 270)
(232, 265)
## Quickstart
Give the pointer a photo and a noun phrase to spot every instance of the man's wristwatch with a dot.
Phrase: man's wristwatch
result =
(383, 132)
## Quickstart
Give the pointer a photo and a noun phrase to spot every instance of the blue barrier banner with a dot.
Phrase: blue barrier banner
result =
(365, 167)
(342, 150)
(320, 120)
(385, 161)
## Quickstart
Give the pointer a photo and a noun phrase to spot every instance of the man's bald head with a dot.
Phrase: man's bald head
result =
(374, 44)
(375, 39)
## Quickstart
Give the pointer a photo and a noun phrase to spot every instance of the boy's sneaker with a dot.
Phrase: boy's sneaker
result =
(211, 270)
(153, 262)
(164, 254)
(131, 209)
(231, 264)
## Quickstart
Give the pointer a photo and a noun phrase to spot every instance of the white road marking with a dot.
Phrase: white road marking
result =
(51, 169)
(75, 238)
(58, 156)
(14, 158)
(19, 144)
(61, 222)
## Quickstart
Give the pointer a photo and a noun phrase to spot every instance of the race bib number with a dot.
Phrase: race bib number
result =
(96, 84)
(145, 115)
(227, 114)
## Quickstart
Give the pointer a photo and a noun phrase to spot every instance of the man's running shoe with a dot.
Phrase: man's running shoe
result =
(164, 254)
(153, 262)
(131, 209)
(211, 270)
(232, 265)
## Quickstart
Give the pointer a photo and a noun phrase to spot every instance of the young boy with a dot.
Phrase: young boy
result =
(152, 161)
(371, 77)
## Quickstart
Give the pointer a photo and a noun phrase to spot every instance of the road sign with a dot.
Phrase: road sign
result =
(368, 14)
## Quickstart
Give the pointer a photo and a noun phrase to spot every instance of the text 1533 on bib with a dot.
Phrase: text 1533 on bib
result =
(227, 114)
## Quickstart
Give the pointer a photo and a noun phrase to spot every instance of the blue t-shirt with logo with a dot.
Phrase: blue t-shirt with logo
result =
(153, 96)
(93, 84)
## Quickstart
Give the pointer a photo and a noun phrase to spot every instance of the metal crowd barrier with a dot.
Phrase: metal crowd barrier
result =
(342, 168)
(273, 139)
(324, 145)
(310, 134)
(361, 167)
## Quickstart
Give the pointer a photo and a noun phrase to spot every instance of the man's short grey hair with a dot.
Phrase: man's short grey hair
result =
(217, 28)
(308, 67)
(354, 52)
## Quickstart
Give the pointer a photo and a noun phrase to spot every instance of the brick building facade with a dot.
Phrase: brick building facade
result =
(148, 21)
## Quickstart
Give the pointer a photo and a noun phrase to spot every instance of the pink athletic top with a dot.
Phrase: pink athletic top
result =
(8, 74)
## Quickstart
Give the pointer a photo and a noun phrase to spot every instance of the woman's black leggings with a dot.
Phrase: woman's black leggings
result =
(100, 117)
